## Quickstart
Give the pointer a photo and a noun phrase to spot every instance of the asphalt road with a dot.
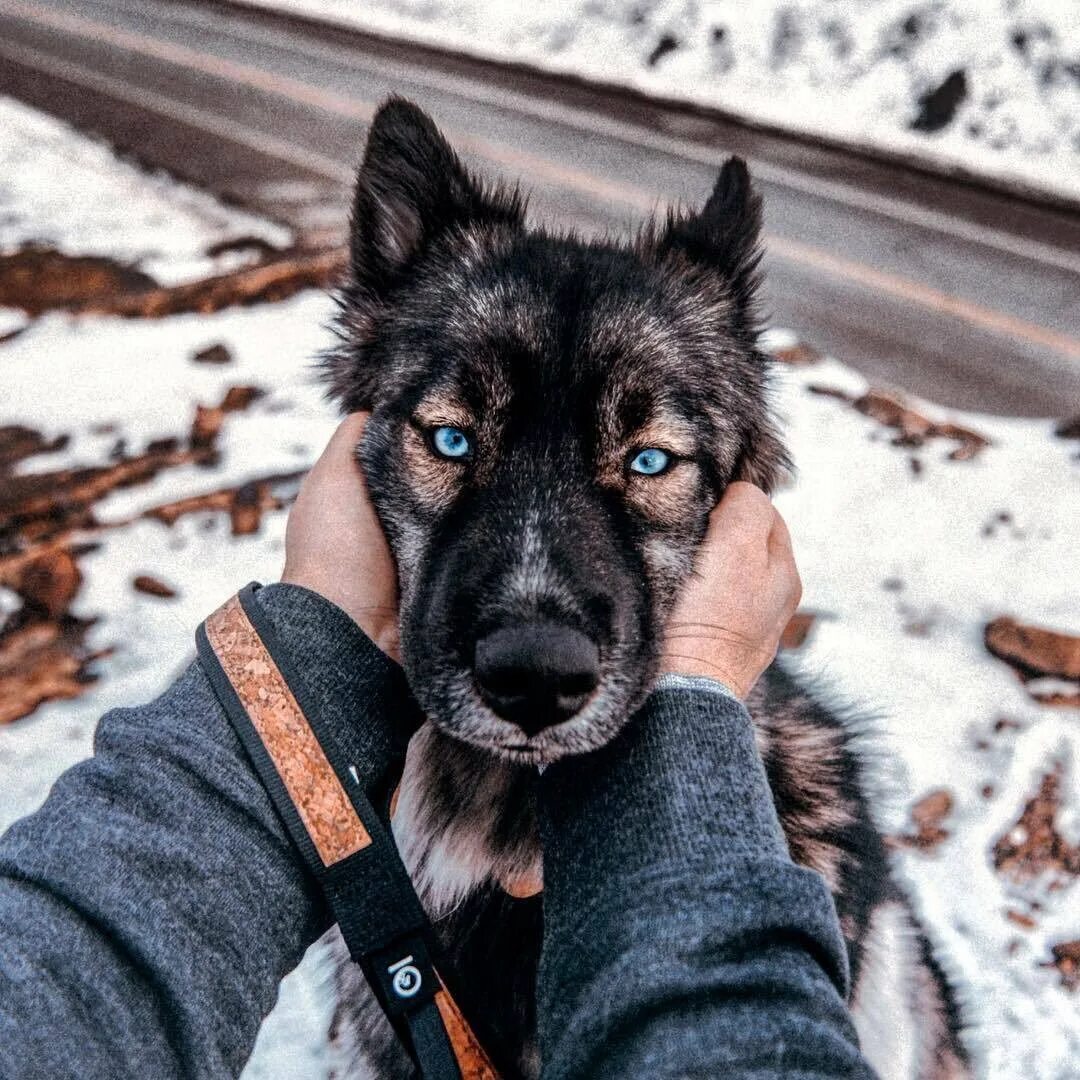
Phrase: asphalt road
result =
(960, 294)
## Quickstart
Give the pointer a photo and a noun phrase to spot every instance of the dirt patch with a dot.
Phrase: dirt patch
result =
(43, 660)
(912, 428)
(37, 280)
(245, 504)
(798, 355)
(1066, 958)
(269, 282)
(41, 279)
(42, 505)
(209, 419)
(1034, 849)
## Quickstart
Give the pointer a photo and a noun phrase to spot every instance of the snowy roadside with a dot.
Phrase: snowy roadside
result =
(988, 89)
(903, 566)
(149, 222)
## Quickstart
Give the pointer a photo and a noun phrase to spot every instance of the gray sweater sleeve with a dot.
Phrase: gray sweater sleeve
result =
(150, 908)
(679, 937)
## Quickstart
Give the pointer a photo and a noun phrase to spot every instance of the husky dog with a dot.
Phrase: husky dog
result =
(552, 421)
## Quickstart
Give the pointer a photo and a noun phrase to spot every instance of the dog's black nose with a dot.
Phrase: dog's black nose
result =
(537, 674)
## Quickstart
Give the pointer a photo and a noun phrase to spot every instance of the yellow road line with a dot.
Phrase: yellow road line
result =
(535, 168)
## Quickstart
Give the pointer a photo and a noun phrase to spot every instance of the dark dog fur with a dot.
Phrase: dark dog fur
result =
(560, 359)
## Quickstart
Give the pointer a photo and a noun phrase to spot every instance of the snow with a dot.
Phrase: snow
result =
(910, 655)
(853, 72)
(150, 221)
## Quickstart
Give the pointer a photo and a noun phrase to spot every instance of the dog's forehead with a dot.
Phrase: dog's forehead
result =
(577, 313)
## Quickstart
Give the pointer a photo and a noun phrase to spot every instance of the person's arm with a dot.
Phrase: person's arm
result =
(679, 938)
(151, 906)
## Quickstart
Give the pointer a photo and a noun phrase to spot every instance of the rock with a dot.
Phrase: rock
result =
(927, 816)
(1034, 650)
(152, 586)
(1068, 429)
(213, 354)
(937, 107)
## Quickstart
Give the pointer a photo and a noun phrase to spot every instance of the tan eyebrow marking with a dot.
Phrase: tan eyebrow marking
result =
(667, 430)
(438, 410)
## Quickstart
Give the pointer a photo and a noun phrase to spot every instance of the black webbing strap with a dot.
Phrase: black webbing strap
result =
(369, 892)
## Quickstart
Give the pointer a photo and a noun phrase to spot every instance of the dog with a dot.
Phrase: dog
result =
(552, 420)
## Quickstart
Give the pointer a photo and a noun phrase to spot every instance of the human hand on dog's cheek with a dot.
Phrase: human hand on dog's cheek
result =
(334, 544)
(745, 588)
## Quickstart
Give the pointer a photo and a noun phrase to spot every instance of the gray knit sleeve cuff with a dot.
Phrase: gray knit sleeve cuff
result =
(673, 681)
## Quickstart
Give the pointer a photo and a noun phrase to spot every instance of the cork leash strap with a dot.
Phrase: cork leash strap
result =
(342, 840)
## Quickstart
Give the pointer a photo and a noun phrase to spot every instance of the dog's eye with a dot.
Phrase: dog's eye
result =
(450, 442)
(651, 461)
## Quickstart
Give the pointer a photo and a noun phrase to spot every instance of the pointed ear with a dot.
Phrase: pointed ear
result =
(411, 188)
(724, 236)
(764, 459)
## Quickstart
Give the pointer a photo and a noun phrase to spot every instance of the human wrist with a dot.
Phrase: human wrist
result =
(349, 593)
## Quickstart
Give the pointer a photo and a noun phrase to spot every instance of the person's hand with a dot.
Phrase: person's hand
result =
(334, 544)
(745, 587)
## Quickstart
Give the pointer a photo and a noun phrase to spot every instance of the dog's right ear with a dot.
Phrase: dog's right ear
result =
(411, 190)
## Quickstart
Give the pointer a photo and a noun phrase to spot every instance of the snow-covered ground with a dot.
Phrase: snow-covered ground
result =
(903, 567)
(151, 222)
(1006, 72)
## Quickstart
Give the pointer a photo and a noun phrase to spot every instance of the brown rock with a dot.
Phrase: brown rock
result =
(213, 354)
(152, 586)
(41, 505)
(927, 816)
(1069, 429)
(209, 418)
(1018, 918)
(1034, 650)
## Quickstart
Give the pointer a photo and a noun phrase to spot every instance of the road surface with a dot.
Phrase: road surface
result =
(960, 294)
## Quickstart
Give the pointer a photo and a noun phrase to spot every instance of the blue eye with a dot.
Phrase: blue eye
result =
(651, 461)
(450, 442)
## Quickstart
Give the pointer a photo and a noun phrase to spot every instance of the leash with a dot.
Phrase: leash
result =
(342, 839)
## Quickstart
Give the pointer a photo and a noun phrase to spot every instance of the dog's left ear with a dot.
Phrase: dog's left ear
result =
(724, 235)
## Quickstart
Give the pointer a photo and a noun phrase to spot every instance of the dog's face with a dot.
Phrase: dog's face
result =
(552, 422)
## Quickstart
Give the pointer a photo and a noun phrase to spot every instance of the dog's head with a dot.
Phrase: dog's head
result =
(552, 421)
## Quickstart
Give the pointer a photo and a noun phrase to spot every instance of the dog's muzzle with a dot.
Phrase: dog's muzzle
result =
(537, 674)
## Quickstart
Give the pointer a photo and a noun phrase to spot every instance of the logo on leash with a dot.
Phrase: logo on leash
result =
(406, 979)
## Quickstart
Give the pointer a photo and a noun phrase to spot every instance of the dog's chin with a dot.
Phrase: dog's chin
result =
(471, 721)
